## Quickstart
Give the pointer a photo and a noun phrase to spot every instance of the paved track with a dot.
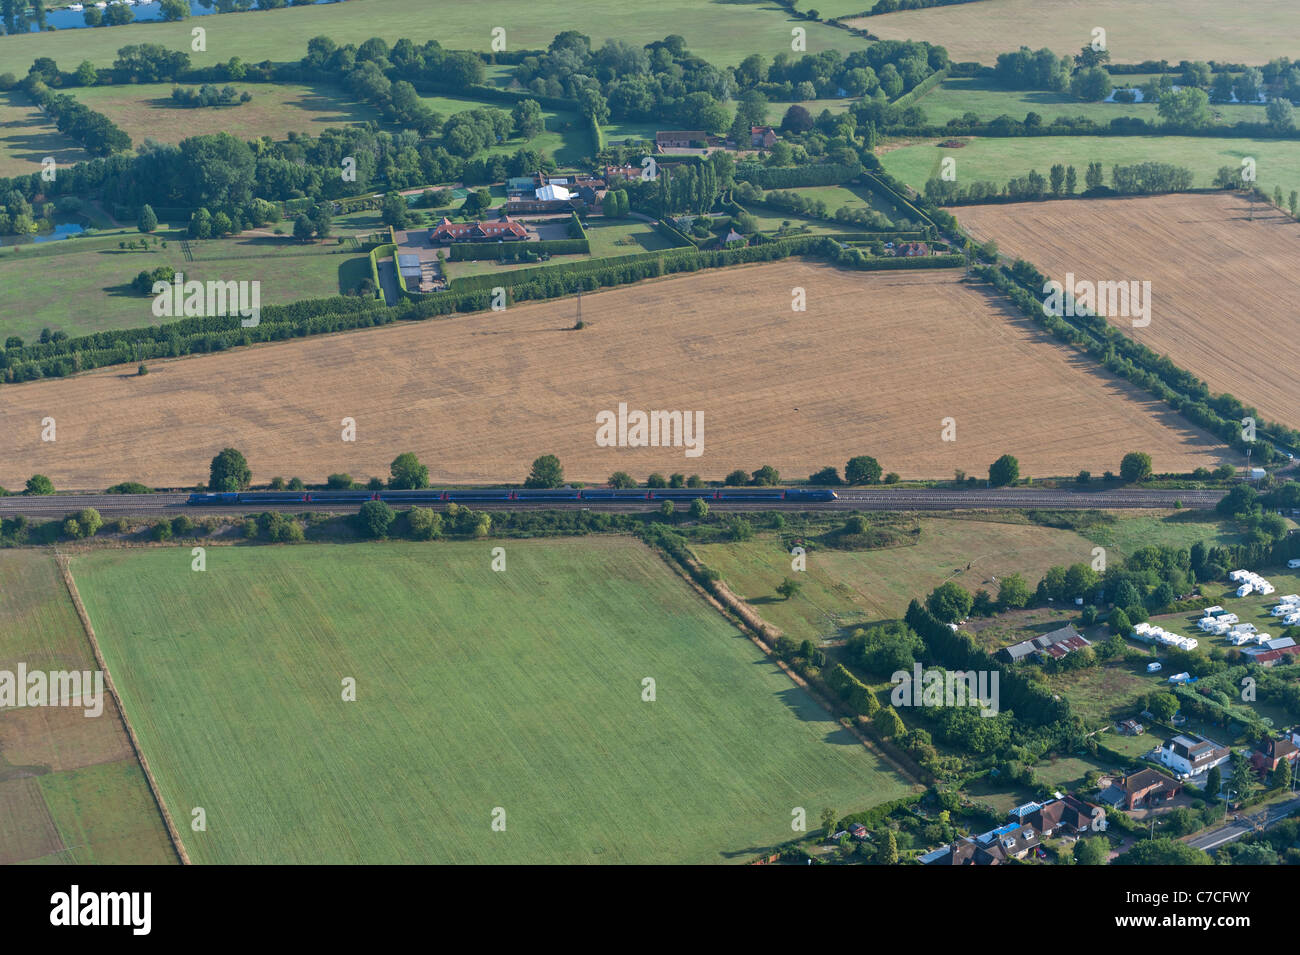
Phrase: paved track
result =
(858, 499)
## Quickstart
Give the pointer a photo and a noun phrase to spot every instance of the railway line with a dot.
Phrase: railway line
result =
(850, 499)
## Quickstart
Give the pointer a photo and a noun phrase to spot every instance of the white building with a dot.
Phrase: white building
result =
(1187, 754)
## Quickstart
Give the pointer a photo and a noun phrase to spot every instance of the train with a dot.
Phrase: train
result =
(469, 496)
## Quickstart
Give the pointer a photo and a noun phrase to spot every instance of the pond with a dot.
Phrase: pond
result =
(62, 230)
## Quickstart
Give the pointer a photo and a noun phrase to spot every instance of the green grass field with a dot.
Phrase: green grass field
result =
(846, 589)
(724, 32)
(27, 137)
(475, 690)
(93, 277)
(1163, 529)
(997, 160)
(71, 790)
(959, 95)
(145, 111)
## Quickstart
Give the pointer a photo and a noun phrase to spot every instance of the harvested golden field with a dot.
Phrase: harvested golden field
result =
(1223, 287)
(873, 366)
(1170, 30)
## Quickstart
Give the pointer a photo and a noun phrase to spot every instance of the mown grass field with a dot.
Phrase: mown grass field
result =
(145, 111)
(27, 137)
(1171, 30)
(724, 32)
(92, 277)
(71, 790)
(845, 589)
(1163, 529)
(965, 94)
(1000, 159)
(475, 690)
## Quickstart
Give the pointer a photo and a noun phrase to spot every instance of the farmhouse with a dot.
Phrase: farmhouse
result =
(1055, 644)
(762, 137)
(616, 173)
(1271, 752)
(679, 138)
(1141, 789)
(505, 229)
(1272, 652)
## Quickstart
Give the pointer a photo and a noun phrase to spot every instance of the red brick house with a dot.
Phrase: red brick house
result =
(506, 229)
(1270, 753)
(1142, 789)
(762, 137)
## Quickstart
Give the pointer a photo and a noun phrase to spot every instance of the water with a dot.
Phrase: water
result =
(62, 230)
(69, 19)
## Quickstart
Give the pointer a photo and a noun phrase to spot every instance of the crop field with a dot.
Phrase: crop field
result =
(1221, 307)
(71, 790)
(145, 111)
(773, 386)
(94, 277)
(724, 33)
(845, 589)
(1170, 30)
(960, 95)
(27, 137)
(475, 690)
(999, 159)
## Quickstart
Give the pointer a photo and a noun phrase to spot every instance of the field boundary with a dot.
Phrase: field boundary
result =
(65, 569)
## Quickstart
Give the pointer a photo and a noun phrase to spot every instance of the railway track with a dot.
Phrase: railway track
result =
(858, 499)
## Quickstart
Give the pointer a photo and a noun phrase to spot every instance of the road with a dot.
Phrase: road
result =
(855, 499)
(1235, 830)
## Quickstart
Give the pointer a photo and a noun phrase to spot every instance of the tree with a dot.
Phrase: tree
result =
(528, 119)
(862, 470)
(1187, 107)
(1005, 470)
(1071, 180)
(949, 602)
(736, 478)
(1013, 592)
(766, 476)
(1162, 706)
(394, 211)
(407, 473)
(788, 588)
(546, 473)
(39, 484)
(888, 854)
(174, 9)
(1090, 84)
(375, 517)
(826, 476)
(426, 523)
(1244, 781)
(1162, 851)
(147, 221)
(621, 480)
(302, 227)
(1282, 775)
(339, 482)
(1057, 179)
(87, 74)
(828, 822)
(1092, 850)
(797, 120)
(887, 723)
(1094, 177)
(1136, 466)
(1213, 782)
(1281, 115)
(1119, 623)
(229, 472)
(699, 509)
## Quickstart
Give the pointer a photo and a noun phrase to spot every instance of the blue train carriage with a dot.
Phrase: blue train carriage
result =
(231, 497)
(811, 494)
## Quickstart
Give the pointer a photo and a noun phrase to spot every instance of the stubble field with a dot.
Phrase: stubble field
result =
(873, 366)
(1222, 287)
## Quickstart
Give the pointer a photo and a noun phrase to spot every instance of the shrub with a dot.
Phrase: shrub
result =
(182, 526)
(426, 523)
(339, 481)
(375, 517)
(161, 531)
(128, 487)
(39, 484)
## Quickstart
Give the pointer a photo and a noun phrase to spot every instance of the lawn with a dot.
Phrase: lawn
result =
(70, 787)
(145, 111)
(999, 159)
(1104, 694)
(1163, 529)
(519, 690)
(776, 111)
(93, 277)
(846, 589)
(722, 32)
(959, 95)
(27, 137)
(623, 237)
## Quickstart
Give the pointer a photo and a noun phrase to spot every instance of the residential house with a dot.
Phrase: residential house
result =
(911, 249)
(1068, 814)
(1054, 644)
(680, 138)
(505, 229)
(1141, 789)
(858, 831)
(1190, 754)
(762, 137)
(1270, 753)
(615, 173)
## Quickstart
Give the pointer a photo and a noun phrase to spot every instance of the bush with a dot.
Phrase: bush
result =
(339, 482)
(161, 531)
(39, 484)
(182, 526)
(128, 487)
(374, 518)
(425, 522)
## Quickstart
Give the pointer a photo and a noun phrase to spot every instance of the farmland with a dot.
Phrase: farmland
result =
(1170, 30)
(95, 276)
(999, 159)
(476, 406)
(1220, 307)
(721, 32)
(960, 95)
(27, 137)
(475, 690)
(843, 589)
(146, 111)
(70, 787)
